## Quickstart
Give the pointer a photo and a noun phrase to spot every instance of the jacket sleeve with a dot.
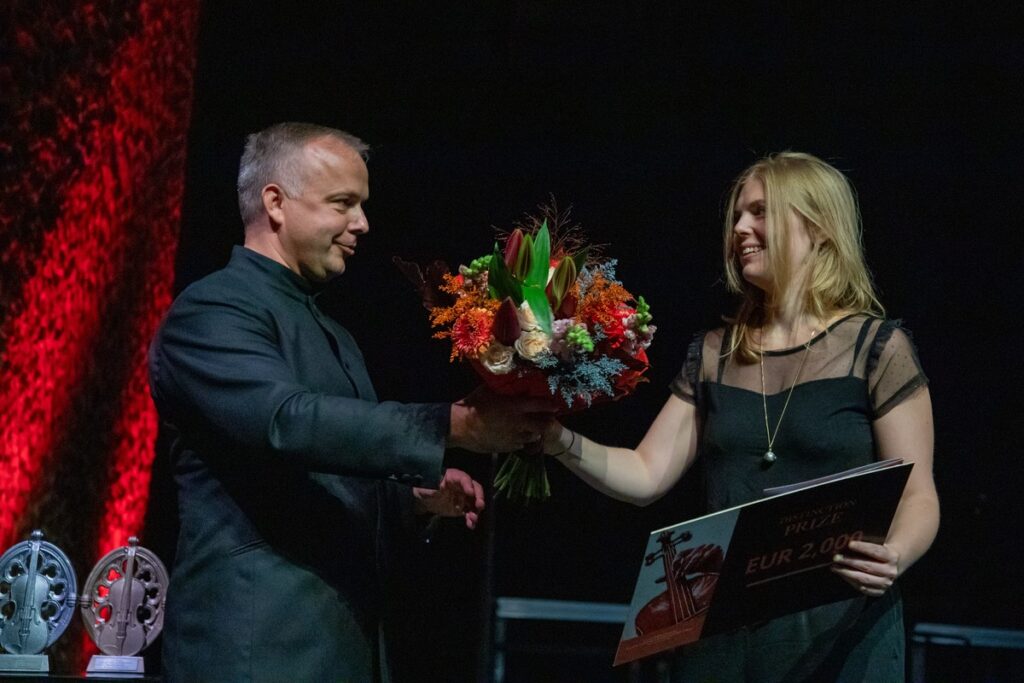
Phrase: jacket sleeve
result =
(217, 367)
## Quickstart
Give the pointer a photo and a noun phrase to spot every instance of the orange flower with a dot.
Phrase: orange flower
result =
(468, 296)
(471, 333)
(603, 304)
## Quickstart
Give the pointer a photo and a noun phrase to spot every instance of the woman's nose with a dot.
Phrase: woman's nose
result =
(742, 225)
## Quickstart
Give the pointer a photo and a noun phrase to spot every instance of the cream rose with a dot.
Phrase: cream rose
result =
(532, 344)
(527, 320)
(497, 358)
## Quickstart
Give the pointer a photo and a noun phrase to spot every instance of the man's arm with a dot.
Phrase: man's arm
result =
(217, 367)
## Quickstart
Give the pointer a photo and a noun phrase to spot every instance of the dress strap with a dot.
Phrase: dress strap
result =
(726, 342)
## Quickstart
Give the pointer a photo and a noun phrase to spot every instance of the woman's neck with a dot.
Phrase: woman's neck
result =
(785, 329)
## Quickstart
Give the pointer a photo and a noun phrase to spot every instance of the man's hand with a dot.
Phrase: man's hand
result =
(869, 567)
(485, 422)
(458, 495)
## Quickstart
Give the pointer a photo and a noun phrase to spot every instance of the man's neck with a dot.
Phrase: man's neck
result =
(263, 242)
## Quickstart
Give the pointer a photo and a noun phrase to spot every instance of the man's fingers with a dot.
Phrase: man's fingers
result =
(478, 495)
(466, 485)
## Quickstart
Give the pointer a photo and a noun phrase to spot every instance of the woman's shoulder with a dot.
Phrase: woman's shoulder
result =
(708, 340)
(877, 330)
(875, 339)
(862, 327)
(891, 337)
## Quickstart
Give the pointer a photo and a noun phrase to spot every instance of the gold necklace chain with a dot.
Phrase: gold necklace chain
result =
(769, 455)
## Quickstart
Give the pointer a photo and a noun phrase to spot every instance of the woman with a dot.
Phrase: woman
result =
(807, 380)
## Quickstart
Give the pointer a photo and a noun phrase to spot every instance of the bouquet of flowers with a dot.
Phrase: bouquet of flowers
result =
(543, 316)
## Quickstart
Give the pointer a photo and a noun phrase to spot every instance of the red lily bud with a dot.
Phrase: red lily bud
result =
(523, 258)
(512, 244)
(561, 282)
(506, 323)
(568, 307)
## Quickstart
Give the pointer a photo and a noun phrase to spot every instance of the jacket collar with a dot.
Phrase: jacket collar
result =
(277, 275)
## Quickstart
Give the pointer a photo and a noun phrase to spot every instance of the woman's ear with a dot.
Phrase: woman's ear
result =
(817, 235)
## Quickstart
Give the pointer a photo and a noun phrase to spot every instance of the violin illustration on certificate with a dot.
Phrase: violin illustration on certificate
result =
(679, 577)
(690, 578)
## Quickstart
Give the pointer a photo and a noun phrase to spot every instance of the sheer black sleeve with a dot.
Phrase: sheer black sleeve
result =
(893, 370)
(686, 385)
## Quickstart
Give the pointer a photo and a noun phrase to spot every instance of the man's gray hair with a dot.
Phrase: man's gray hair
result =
(272, 156)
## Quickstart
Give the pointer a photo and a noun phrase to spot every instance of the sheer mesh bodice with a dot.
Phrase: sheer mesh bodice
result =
(849, 375)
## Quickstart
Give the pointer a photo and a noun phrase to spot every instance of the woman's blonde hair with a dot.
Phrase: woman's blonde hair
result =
(837, 280)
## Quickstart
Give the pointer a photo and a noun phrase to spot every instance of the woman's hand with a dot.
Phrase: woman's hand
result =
(551, 438)
(868, 567)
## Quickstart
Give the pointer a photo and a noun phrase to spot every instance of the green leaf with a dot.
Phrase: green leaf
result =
(580, 258)
(500, 282)
(538, 302)
(540, 259)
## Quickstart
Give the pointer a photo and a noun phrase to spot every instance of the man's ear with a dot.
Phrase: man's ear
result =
(273, 197)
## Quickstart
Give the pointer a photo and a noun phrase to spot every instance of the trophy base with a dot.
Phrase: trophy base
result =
(109, 666)
(24, 665)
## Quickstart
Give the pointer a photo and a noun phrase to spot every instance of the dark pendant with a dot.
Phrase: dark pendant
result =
(769, 457)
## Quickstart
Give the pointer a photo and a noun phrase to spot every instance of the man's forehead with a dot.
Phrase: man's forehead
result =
(328, 151)
(328, 161)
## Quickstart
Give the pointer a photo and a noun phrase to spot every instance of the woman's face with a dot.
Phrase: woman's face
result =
(750, 236)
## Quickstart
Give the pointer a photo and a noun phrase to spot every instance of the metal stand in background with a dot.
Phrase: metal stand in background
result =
(925, 635)
(485, 664)
(507, 609)
(496, 612)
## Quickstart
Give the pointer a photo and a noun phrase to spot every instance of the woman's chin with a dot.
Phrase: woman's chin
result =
(756, 278)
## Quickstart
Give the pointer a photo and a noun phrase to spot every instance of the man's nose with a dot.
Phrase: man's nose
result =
(361, 224)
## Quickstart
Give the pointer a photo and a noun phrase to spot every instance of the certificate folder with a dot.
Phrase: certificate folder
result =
(757, 561)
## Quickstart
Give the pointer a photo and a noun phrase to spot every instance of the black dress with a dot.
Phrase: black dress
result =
(836, 386)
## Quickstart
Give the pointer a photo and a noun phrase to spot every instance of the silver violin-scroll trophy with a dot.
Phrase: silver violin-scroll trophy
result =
(38, 593)
(123, 607)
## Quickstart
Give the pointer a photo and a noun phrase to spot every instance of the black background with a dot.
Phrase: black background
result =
(639, 116)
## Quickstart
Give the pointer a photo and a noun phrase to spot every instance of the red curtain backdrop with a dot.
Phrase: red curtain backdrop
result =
(95, 99)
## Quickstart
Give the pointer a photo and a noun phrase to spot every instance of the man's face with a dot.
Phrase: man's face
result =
(320, 225)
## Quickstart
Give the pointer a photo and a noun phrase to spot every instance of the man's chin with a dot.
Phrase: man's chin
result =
(335, 271)
(325, 275)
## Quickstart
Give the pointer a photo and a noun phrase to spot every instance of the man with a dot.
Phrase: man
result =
(288, 468)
